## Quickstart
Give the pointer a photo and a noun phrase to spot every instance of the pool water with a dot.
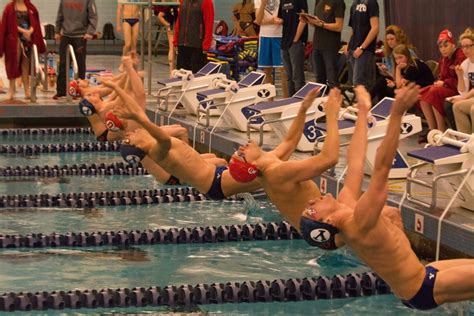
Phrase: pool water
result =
(51, 269)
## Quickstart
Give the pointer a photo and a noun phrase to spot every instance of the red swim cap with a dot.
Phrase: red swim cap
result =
(242, 171)
(447, 36)
(112, 122)
(74, 89)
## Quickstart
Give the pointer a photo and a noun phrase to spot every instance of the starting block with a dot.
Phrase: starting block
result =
(378, 122)
(452, 155)
(280, 115)
(183, 86)
(233, 100)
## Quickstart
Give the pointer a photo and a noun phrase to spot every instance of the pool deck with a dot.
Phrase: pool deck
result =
(421, 224)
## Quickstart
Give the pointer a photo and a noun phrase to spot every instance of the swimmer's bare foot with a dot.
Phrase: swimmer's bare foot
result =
(127, 62)
(140, 138)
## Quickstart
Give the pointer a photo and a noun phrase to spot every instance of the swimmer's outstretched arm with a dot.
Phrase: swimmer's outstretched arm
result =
(135, 82)
(302, 170)
(133, 111)
(370, 205)
(288, 146)
(357, 151)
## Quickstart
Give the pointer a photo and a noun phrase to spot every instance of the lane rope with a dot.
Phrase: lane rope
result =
(104, 198)
(279, 290)
(45, 131)
(84, 169)
(202, 235)
(33, 149)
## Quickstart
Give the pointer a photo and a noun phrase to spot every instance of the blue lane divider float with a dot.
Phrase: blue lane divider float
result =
(105, 198)
(93, 169)
(45, 131)
(279, 290)
(59, 148)
(202, 235)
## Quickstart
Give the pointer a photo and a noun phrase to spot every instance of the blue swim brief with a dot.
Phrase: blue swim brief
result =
(424, 299)
(215, 192)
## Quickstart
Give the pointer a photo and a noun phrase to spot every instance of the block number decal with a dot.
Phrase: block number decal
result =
(202, 137)
(323, 185)
(419, 223)
(162, 120)
(311, 132)
(399, 162)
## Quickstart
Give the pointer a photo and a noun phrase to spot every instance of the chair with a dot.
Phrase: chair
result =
(433, 65)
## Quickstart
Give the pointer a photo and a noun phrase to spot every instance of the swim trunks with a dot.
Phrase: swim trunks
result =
(215, 192)
(424, 299)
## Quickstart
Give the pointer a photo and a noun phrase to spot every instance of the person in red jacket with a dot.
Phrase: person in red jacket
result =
(19, 30)
(432, 97)
(193, 33)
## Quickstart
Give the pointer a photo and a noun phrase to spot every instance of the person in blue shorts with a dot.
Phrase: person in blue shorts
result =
(269, 46)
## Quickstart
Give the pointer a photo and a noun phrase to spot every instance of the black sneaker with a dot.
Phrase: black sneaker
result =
(59, 97)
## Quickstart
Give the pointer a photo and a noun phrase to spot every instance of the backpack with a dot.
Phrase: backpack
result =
(108, 32)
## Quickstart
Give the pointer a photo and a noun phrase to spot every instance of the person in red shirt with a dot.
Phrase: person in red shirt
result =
(432, 97)
(19, 30)
(193, 33)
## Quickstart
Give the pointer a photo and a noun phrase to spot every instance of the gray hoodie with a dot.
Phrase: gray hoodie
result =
(76, 18)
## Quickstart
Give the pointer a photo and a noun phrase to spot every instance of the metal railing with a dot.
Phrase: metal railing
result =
(75, 69)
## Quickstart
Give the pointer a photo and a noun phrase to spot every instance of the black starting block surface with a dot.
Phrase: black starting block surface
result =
(431, 154)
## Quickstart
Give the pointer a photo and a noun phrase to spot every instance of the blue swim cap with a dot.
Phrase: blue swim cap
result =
(132, 154)
(318, 234)
(86, 108)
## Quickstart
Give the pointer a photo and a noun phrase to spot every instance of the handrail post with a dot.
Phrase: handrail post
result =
(150, 15)
(33, 74)
(45, 69)
(68, 66)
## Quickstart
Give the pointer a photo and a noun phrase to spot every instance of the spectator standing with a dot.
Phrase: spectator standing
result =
(167, 16)
(193, 33)
(364, 21)
(432, 97)
(19, 30)
(243, 16)
(327, 39)
(76, 23)
(294, 38)
(269, 47)
(128, 21)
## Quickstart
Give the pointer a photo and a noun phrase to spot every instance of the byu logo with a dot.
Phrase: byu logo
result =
(134, 160)
(320, 235)
(406, 128)
(86, 110)
(264, 93)
(361, 7)
(431, 276)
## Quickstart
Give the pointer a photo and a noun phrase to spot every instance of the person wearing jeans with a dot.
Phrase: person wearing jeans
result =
(76, 23)
(327, 21)
(295, 35)
(364, 20)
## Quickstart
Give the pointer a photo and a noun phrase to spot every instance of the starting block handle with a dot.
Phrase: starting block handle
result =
(440, 138)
